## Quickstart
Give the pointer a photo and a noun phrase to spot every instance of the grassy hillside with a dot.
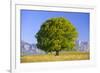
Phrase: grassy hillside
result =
(65, 56)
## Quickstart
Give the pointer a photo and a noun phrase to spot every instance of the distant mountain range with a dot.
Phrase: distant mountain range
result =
(30, 49)
(82, 46)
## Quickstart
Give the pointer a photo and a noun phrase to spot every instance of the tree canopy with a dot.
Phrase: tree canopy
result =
(56, 34)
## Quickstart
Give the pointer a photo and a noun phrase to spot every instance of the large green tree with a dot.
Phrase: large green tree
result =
(56, 34)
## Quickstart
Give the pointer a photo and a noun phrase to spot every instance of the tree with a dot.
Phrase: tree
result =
(56, 34)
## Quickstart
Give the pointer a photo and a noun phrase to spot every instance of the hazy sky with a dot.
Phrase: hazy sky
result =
(31, 20)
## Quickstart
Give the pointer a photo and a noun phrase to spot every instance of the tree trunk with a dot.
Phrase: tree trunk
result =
(57, 53)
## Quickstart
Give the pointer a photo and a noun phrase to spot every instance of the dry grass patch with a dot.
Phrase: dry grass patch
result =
(51, 57)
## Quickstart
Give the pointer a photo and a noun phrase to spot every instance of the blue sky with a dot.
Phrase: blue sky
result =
(31, 20)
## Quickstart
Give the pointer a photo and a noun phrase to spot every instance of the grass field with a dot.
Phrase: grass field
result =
(51, 57)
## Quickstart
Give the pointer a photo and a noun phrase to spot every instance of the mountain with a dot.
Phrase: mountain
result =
(30, 49)
(82, 46)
